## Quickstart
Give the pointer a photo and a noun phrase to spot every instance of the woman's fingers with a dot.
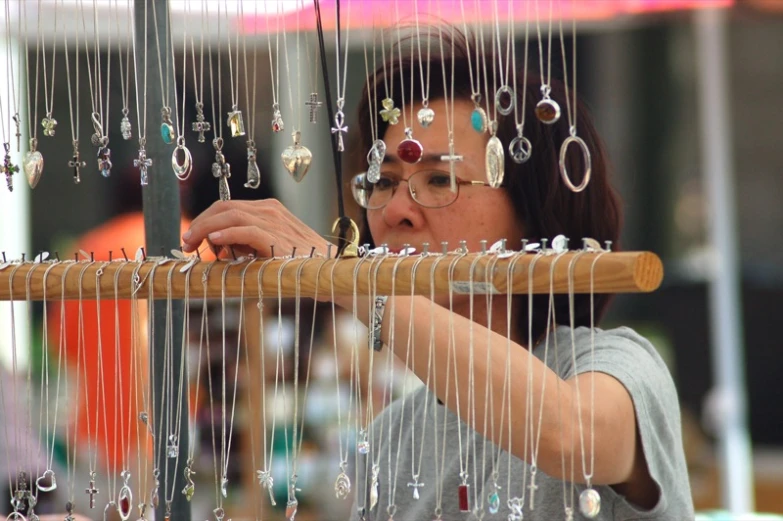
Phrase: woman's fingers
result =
(247, 237)
(206, 225)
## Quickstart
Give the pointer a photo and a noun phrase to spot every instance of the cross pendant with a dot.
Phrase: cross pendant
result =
(452, 158)
(18, 133)
(143, 163)
(91, 491)
(76, 163)
(415, 486)
(339, 129)
(201, 126)
(314, 104)
(532, 487)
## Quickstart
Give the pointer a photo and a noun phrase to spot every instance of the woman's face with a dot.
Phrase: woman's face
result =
(480, 212)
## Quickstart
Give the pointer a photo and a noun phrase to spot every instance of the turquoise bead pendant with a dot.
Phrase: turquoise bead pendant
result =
(478, 119)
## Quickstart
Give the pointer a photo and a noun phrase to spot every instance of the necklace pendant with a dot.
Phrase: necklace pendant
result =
(569, 514)
(49, 125)
(125, 126)
(235, 122)
(297, 158)
(494, 162)
(201, 125)
(18, 132)
(47, 482)
(390, 114)
(478, 120)
(124, 503)
(277, 119)
(253, 172)
(172, 448)
(409, 149)
(504, 100)
(166, 128)
(314, 104)
(33, 164)
(190, 487)
(91, 490)
(520, 149)
(363, 446)
(548, 111)
(104, 161)
(142, 163)
(339, 128)
(590, 503)
(515, 509)
(532, 487)
(342, 486)
(493, 501)
(425, 116)
(374, 496)
(463, 493)
(291, 508)
(266, 480)
(182, 171)
(222, 170)
(415, 486)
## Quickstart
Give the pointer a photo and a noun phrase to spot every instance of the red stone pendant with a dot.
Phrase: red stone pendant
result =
(409, 149)
(464, 502)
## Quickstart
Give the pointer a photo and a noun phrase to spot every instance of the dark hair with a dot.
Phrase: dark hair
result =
(543, 203)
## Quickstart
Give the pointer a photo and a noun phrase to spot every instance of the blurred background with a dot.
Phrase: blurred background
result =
(641, 69)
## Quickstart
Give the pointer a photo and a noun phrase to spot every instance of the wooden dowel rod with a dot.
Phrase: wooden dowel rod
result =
(621, 272)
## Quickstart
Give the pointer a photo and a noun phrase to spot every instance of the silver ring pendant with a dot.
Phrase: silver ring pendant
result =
(520, 149)
(182, 171)
(588, 163)
(505, 107)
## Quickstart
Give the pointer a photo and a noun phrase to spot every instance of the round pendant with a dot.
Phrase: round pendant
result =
(504, 100)
(548, 111)
(478, 119)
(520, 149)
(410, 151)
(182, 170)
(426, 115)
(33, 167)
(296, 159)
(590, 503)
(167, 133)
(494, 162)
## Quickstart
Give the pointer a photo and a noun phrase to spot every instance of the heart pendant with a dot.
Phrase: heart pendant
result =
(296, 159)
(33, 167)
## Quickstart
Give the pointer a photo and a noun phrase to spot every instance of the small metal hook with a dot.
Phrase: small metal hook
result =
(124, 254)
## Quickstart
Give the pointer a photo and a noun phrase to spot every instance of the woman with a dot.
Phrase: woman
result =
(639, 466)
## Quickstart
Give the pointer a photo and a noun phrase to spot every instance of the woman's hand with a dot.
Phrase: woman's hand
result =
(248, 226)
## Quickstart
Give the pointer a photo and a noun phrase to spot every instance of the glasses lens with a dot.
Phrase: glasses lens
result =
(432, 188)
(371, 195)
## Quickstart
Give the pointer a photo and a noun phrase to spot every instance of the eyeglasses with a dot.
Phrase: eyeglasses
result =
(429, 188)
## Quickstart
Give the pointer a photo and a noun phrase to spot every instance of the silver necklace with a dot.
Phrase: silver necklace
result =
(201, 125)
(296, 158)
(520, 149)
(48, 123)
(126, 129)
(221, 169)
(572, 110)
(547, 110)
(253, 172)
(181, 169)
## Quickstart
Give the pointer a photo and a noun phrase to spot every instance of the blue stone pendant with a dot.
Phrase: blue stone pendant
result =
(478, 119)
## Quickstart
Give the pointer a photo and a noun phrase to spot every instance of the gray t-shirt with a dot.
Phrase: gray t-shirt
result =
(621, 353)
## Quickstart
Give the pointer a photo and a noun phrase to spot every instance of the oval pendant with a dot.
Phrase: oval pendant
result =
(182, 170)
(548, 111)
(590, 503)
(494, 502)
(342, 486)
(425, 115)
(33, 167)
(124, 503)
(296, 159)
(520, 149)
(494, 162)
(587, 163)
(167, 133)
(504, 100)
(478, 119)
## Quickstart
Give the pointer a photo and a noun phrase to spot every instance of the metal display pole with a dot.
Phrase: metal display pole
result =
(162, 231)
(725, 302)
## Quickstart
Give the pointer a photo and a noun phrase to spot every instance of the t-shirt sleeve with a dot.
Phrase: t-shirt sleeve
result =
(634, 362)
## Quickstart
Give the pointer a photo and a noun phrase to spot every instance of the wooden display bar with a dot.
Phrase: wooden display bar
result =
(621, 272)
